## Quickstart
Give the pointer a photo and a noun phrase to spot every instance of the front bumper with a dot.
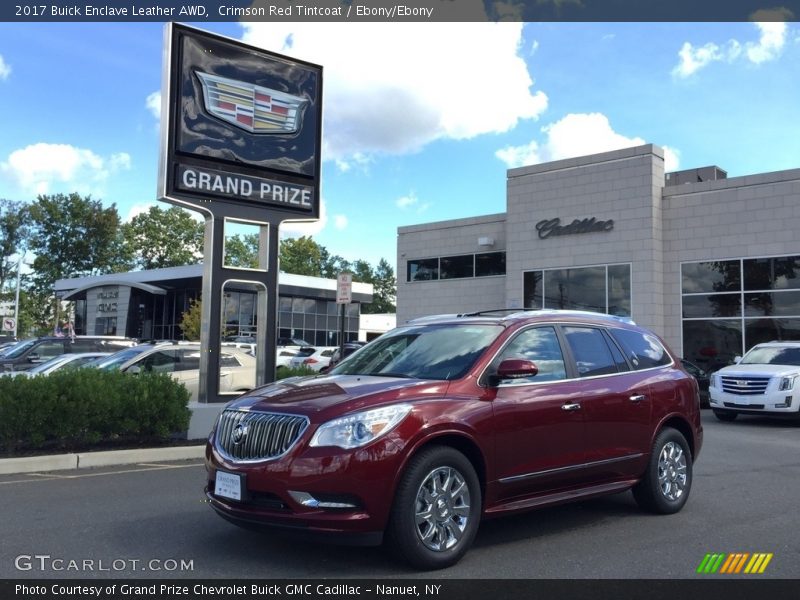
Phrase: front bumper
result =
(353, 489)
(774, 403)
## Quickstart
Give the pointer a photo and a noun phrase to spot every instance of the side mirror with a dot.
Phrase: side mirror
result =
(134, 370)
(737, 359)
(514, 368)
(34, 358)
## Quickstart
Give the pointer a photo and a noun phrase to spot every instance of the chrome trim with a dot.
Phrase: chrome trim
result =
(269, 438)
(571, 406)
(637, 398)
(588, 465)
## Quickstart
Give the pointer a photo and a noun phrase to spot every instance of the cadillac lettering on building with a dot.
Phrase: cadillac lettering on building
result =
(550, 227)
(246, 188)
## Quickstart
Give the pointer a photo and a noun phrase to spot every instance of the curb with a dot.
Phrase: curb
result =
(88, 460)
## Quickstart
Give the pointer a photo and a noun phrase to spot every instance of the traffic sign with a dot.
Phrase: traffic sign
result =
(9, 324)
(344, 288)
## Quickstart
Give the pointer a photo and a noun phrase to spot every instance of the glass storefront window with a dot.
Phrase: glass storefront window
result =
(712, 276)
(605, 289)
(712, 305)
(765, 303)
(532, 290)
(619, 290)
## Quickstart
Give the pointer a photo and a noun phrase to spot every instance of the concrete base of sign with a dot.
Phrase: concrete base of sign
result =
(203, 417)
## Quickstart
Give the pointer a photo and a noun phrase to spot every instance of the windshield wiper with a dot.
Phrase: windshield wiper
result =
(389, 374)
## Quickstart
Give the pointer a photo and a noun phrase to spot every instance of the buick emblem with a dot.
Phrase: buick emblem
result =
(254, 108)
(238, 434)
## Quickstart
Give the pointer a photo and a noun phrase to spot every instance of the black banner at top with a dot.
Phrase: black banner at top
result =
(358, 11)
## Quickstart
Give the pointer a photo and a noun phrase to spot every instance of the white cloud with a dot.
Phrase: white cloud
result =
(340, 222)
(772, 39)
(577, 134)
(153, 104)
(5, 69)
(52, 168)
(407, 201)
(434, 81)
(138, 209)
(299, 229)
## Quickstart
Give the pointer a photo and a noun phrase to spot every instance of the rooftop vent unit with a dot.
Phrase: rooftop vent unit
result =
(695, 175)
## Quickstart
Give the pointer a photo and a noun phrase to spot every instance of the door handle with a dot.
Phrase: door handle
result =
(638, 398)
(571, 406)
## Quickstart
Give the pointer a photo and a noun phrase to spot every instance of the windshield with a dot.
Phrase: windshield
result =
(19, 348)
(45, 366)
(116, 360)
(771, 355)
(422, 352)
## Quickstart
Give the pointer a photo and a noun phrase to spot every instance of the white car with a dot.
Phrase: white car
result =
(313, 358)
(64, 361)
(182, 362)
(763, 382)
(284, 356)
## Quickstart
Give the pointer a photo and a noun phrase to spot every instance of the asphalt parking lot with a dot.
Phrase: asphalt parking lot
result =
(150, 520)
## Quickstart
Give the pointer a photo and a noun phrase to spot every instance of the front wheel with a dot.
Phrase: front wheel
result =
(665, 486)
(436, 509)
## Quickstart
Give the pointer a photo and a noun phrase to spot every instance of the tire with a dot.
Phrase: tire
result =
(427, 528)
(667, 481)
(725, 415)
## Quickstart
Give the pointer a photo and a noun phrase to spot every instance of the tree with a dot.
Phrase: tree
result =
(385, 286)
(163, 238)
(303, 256)
(242, 251)
(191, 320)
(73, 236)
(14, 231)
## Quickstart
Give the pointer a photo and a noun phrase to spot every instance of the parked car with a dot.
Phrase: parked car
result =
(443, 422)
(312, 358)
(31, 352)
(338, 356)
(702, 378)
(292, 342)
(64, 361)
(182, 362)
(283, 358)
(760, 383)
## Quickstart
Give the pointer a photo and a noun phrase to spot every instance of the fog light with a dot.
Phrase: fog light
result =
(786, 403)
(310, 501)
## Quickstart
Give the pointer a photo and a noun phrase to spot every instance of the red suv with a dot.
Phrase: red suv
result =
(448, 420)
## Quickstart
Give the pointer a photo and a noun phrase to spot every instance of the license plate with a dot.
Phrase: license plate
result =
(228, 485)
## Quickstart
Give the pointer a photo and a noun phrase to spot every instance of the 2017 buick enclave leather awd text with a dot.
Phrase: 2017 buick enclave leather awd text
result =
(449, 420)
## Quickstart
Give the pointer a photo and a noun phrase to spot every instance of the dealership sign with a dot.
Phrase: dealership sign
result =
(553, 227)
(240, 125)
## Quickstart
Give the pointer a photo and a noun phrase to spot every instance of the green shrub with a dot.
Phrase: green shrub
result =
(283, 373)
(77, 408)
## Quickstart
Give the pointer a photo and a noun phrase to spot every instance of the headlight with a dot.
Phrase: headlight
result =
(787, 383)
(360, 428)
(715, 383)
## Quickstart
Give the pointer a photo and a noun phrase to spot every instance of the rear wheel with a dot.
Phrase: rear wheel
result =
(725, 415)
(436, 509)
(665, 486)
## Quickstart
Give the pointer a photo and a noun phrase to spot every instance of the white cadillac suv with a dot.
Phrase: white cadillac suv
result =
(766, 381)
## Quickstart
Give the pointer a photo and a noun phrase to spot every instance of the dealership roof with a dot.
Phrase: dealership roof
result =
(158, 281)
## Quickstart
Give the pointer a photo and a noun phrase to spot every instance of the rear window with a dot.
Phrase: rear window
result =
(306, 351)
(643, 350)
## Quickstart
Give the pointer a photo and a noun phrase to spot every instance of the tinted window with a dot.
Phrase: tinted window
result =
(590, 351)
(423, 270)
(189, 360)
(490, 263)
(227, 360)
(541, 346)
(453, 267)
(643, 350)
(164, 361)
(49, 349)
(716, 276)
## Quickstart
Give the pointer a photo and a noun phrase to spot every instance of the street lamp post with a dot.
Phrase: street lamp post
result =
(16, 302)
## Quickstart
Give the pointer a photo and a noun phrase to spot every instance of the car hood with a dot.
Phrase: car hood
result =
(310, 395)
(758, 370)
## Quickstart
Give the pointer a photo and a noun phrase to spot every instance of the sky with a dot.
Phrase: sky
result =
(420, 120)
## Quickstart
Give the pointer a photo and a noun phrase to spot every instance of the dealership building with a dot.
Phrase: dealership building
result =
(711, 263)
(150, 305)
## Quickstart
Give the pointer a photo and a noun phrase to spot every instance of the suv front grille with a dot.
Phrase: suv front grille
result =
(250, 436)
(745, 386)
